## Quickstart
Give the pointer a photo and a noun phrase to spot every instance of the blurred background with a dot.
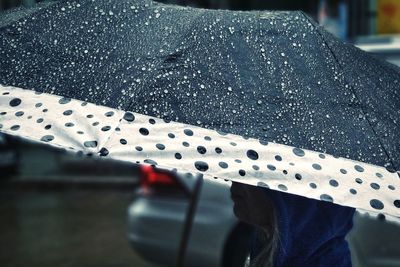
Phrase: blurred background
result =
(58, 209)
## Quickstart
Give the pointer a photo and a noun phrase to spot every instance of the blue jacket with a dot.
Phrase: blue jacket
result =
(311, 232)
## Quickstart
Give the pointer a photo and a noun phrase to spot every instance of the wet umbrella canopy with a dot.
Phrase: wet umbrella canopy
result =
(274, 78)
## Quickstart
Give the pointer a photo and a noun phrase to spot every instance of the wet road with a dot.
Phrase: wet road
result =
(65, 228)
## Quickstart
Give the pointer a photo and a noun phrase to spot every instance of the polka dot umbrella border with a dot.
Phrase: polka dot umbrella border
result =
(128, 136)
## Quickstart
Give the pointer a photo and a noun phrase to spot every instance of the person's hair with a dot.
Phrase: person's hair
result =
(268, 236)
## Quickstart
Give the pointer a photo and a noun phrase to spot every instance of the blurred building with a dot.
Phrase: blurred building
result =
(347, 19)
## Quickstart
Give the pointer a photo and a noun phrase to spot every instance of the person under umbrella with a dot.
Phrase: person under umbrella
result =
(293, 230)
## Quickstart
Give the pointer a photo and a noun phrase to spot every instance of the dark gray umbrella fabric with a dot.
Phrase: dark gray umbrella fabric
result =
(268, 76)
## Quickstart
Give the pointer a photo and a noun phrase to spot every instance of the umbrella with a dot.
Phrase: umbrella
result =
(263, 98)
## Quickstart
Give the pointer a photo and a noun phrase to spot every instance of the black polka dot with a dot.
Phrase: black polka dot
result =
(64, 100)
(144, 131)
(15, 102)
(238, 161)
(150, 161)
(376, 204)
(79, 132)
(313, 186)
(358, 181)
(160, 146)
(95, 123)
(322, 156)
(178, 155)
(128, 116)
(106, 128)
(103, 152)
(19, 113)
(123, 141)
(109, 114)
(379, 175)
(84, 104)
(3, 113)
(218, 150)
(353, 191)
(47, 138)
(375, 186)
(343, 171)
(285, 172)
(201, 149)
(38, 105)
(262, 184)
(185, 144)
(242, 172)
(47, 127)
(396, 203)
(138, 148)
(207, 138)
(40, 120)
(358, 168)
(298, 176)
(233, 144)
(263, 142)
(251, 154)
(271, 167)
(317, 166)
(298, 152)
(89, 116)
(282, 187)
(326, 197)
(391, 187)
(333, 183)
(15, 127)
(201, 166)
(67, 112)
(152, 121)
(45, 110)
(171, 135)
(255, 167)
(278, 158)
(90, 143)
(223, 165)
(188, 132)
(69, 124)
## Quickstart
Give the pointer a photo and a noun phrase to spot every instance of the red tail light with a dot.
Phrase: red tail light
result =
(159, 181)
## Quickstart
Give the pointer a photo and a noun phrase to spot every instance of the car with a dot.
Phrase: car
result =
(9, 156)
(386, 47)
(160, 216)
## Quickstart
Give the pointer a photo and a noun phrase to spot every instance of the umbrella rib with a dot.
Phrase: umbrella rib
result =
(317, 30)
